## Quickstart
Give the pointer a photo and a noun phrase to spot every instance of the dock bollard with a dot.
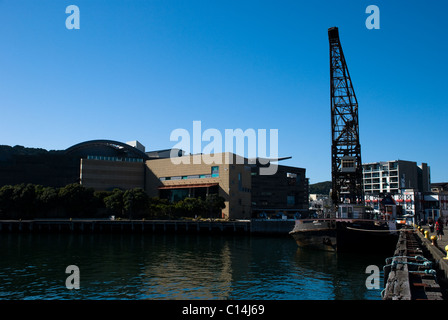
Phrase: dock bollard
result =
(446, 249)
(426, 234)
(434, 240)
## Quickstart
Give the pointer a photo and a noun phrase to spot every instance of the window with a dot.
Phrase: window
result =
(291, 200)
(349, 163)
(293, 178)
(215, 172)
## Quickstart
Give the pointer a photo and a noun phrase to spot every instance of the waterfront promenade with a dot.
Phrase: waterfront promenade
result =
(437, 249)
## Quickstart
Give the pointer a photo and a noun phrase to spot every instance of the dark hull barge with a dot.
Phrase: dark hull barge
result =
(349, 231)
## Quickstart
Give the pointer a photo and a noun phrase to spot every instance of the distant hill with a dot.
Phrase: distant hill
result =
(321, 187)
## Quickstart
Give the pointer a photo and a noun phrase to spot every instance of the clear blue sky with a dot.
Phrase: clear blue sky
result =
(137, 70)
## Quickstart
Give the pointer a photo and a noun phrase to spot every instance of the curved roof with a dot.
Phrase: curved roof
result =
(102, 147)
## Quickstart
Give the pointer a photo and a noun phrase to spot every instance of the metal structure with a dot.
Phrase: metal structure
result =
(346, 165)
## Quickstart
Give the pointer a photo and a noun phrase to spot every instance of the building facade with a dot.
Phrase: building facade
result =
(194, 177)
(283, 193)
(393, 176)
(105, 165)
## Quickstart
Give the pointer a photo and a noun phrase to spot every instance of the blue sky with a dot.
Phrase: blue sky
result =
(137, 70)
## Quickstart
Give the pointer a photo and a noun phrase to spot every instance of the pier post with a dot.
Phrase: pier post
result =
(434, 240)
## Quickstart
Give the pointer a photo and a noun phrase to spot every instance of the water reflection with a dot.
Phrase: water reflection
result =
(115, 266)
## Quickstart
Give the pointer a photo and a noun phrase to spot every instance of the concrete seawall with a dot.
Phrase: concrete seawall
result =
(271, 226)
(268, 227)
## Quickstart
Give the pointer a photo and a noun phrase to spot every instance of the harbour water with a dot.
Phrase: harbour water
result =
(176, 266)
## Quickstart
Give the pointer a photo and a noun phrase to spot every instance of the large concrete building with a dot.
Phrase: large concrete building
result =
(393, 176)
(285, 192)
(228, 177)
(107, 164)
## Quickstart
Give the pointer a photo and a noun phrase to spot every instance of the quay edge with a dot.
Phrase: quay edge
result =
(417, 270)
(255, 226)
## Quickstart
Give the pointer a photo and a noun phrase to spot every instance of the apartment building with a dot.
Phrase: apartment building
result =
(393, 176)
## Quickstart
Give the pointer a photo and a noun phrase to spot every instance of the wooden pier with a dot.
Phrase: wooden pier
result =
(136, 226)
(258, 226)
(417, 271)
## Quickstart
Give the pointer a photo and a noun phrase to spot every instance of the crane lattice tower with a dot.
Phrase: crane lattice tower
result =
(346, 165)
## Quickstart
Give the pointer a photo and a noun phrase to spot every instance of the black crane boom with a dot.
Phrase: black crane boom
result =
(346, 165)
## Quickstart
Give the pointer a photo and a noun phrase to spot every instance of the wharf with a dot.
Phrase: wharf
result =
(255, 226)
(417, 271)
(437, 249)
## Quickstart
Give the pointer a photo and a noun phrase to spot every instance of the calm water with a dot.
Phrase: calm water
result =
(124, 266)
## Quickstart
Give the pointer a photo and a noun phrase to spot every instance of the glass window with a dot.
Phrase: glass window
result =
(215, 172)
(291, 178)
(290, 200)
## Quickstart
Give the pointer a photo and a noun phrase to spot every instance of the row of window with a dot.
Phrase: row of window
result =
(377, 180)
(214, 174)
(378, 167)
(377, 186)
(290, 201)
(114, 159)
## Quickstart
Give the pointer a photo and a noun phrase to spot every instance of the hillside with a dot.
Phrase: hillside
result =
(320, 187)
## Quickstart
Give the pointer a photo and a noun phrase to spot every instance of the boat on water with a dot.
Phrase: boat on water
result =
(353, 228)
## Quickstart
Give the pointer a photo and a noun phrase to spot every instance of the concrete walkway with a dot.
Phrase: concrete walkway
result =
(437, 251)
(441, 244)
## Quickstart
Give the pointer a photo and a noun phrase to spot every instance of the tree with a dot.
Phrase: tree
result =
(160, 208)
(77, 200)
(190, 207)
(214, 204)
(47, 200)
(136, 202)
(6, 202)
(24, 197)
(114, 202)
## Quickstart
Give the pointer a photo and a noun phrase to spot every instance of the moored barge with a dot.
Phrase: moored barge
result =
(352, 229)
